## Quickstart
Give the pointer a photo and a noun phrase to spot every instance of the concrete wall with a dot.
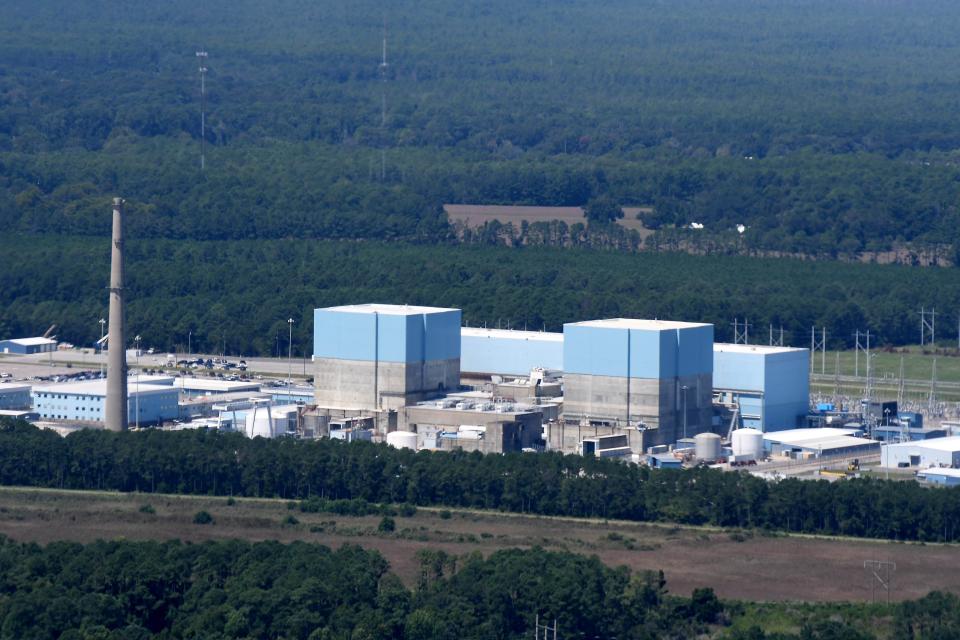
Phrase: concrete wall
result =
(351, 384)
(509, 352)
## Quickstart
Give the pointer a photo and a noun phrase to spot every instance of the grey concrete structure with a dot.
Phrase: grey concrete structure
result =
(569, 437)
(115, 411)
(371, 386)
(493, 430)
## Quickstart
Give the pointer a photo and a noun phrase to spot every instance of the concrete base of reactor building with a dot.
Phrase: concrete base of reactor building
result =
(657, 404)
(569, 438)
(389, 386)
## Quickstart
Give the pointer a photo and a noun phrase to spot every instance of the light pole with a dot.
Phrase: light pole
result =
(136, 383)
(683, 389)
(190, 342)
(289, 349)
(100, 345)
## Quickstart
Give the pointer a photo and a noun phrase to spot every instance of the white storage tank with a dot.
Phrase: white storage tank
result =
(402, 439)
(747, 444)
(707, 446)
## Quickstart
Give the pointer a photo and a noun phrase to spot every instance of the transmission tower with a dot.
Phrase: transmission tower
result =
(821, 345)
(880, 574)
(546, 628)
(778, 341)
(928, 323)
(741, 331)
(861, 346)
(202, 60)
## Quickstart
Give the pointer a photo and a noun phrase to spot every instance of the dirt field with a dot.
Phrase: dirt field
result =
(737, 566)
(474, 215)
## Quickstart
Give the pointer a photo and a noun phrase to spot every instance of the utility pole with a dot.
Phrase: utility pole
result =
(289, 350)
(202, 60)
(383, 103)
(100, 345)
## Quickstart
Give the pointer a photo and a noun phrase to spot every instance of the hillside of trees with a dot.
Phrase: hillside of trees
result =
(237, 295)
(211, 463)
(825, 127)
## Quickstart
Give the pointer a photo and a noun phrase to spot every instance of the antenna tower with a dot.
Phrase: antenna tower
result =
(202, 60)
(384, 66)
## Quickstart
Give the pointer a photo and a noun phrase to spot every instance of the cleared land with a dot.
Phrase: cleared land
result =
(737, 564)
(476, 215)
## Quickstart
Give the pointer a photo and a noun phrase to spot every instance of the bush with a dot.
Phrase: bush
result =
(290, 521)
(231, 501)
(147, 508)
(202, 517)
(445, 515)
(386, 525)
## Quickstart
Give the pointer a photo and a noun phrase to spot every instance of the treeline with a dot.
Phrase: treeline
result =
(723, 115)
(237, 296)
(231, 589)
(210, 463)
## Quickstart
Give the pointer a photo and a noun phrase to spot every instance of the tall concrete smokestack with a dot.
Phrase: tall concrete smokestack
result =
(115, 417)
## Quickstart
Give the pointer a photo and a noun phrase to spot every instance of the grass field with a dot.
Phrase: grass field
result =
(738, 565)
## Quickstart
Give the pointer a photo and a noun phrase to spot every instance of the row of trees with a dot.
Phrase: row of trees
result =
(211, 463)
(237, 296)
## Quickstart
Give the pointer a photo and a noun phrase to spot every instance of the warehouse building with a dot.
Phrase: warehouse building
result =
(507, 352)
(84, 402)
(27, 346)
(650, 373)
(767, 388)
(937, 452)
(819, 442)
(380, 357)
(15, 396)
(942, 477)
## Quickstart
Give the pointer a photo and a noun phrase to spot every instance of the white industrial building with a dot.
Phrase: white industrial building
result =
(936, 452)
(825, 441)
(84, 402)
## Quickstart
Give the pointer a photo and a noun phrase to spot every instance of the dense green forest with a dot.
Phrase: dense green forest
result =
(825, 127)
(221, 590)
(239, 294)
(211, 463)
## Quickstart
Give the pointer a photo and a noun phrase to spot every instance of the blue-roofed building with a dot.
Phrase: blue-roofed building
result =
(380, 357)
(508, 352)
(769, 387)
(943, 477)
(653, 374)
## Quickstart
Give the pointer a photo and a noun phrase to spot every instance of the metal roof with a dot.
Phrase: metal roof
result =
(633, 323)
(388, 309)
(795, 436)
(99, 388)
(725, 347)
(950, 443)
(31, 342)
(510, 334)
(939, 471)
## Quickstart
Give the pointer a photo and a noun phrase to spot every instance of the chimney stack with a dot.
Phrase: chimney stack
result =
(115, 417)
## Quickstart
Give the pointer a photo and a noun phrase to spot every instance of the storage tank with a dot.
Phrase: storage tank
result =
(402, 439)
(707, 446)
(747, 444)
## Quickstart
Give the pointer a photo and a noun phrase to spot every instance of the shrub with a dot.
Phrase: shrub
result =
(202, 517)
(147, 508)
(386, 525)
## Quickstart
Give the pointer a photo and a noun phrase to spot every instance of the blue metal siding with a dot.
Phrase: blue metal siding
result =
(599, 351)
(65, 406)
(442, 335)
(782, 378)
(512, 356)
(695, 350)
(386, 337)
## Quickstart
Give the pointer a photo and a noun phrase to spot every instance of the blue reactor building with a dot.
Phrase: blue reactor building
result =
(382, 357)
(767, 387)
(653, 374)
(510, 352)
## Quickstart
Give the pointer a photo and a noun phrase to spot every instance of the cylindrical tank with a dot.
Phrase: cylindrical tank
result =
(402, 439)
(747, 444)
(707, 446)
